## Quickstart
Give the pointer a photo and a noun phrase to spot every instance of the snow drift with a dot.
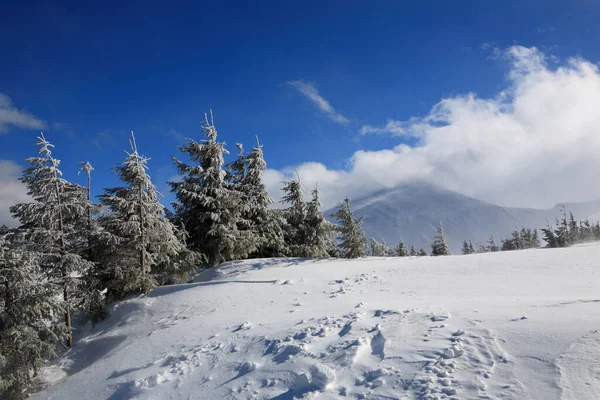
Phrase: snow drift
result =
(510, 325)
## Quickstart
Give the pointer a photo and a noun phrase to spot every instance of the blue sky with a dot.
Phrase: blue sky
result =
(304, 76)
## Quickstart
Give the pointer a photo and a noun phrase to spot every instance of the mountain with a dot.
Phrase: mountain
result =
(413, 211)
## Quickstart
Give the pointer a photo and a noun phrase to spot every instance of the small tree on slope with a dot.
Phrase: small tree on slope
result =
(54, 224)
(206, 206)
(318, 231)
(144, 247)
(401, 249)
(352, 238)
(439, 247)
(295, 217)
(465, 249)
(257, 223)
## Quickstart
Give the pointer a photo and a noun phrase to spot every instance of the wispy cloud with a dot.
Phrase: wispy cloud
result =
(65, 128)
(393, 127)
(101, 138)
(12, 117)
(309, 91)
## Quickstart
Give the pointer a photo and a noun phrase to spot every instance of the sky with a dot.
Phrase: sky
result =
(498, 100)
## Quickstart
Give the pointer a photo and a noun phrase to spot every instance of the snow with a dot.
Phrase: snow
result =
(372, 328)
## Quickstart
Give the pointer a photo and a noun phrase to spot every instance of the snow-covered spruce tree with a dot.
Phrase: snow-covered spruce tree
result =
(401, 249)
(492, 244)
(318, 231)
(351, 236)
(413, 251)
(439, 247)
(143, 247)
(374, 247)
(91, 298)
(387, 251)
(465, 248)
(422, 252)
(54, 224)
(29, 329)
(295, 217)
(205, 205)
(259, 227)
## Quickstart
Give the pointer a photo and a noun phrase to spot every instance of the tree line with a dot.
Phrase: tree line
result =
(72, 255)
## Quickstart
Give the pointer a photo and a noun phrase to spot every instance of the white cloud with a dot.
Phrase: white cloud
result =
(309, 91)
(10, 116)
(393, 127)
(534, 144)
(12, 191)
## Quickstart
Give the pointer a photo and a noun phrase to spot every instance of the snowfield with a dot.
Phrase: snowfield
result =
(510, 325)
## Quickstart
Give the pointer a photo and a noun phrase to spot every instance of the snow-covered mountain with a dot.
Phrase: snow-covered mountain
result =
(507, 325)
(412, 212)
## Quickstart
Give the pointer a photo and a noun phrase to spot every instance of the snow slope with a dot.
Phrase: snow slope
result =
(413, 211)
(510, 325)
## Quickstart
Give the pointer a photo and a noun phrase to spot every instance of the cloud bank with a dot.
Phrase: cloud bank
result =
(11, 117)
(309, 91)
(534, 144)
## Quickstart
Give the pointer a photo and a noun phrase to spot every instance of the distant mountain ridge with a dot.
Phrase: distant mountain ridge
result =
(413, 211)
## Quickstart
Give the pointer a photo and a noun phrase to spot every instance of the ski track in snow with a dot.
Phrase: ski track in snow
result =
(327, 337)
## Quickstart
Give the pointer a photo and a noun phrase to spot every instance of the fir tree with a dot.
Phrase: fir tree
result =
(318, 231)
(439, 247)
(295, 217)
(145, 247)
(465, 248)
(374, 245)
(351, 235)
(401, 249)
(413, 251)
(54, 224)
(92, 300)
(422, 252)
(206, 206)
(471, 249)
(492, 244)
(28, 330)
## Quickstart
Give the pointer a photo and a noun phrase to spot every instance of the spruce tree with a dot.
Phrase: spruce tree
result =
(54, 224)
(351, 236)
(465, 248)
(29, 302)
(375, 248)
(208, 209)
(422, 252)
(318, 231)
(91, 298)
(401, 249)
(439, 247)
(413, 251)
(144, 249)
(471, 249)
(295, 217)
(492, 244)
